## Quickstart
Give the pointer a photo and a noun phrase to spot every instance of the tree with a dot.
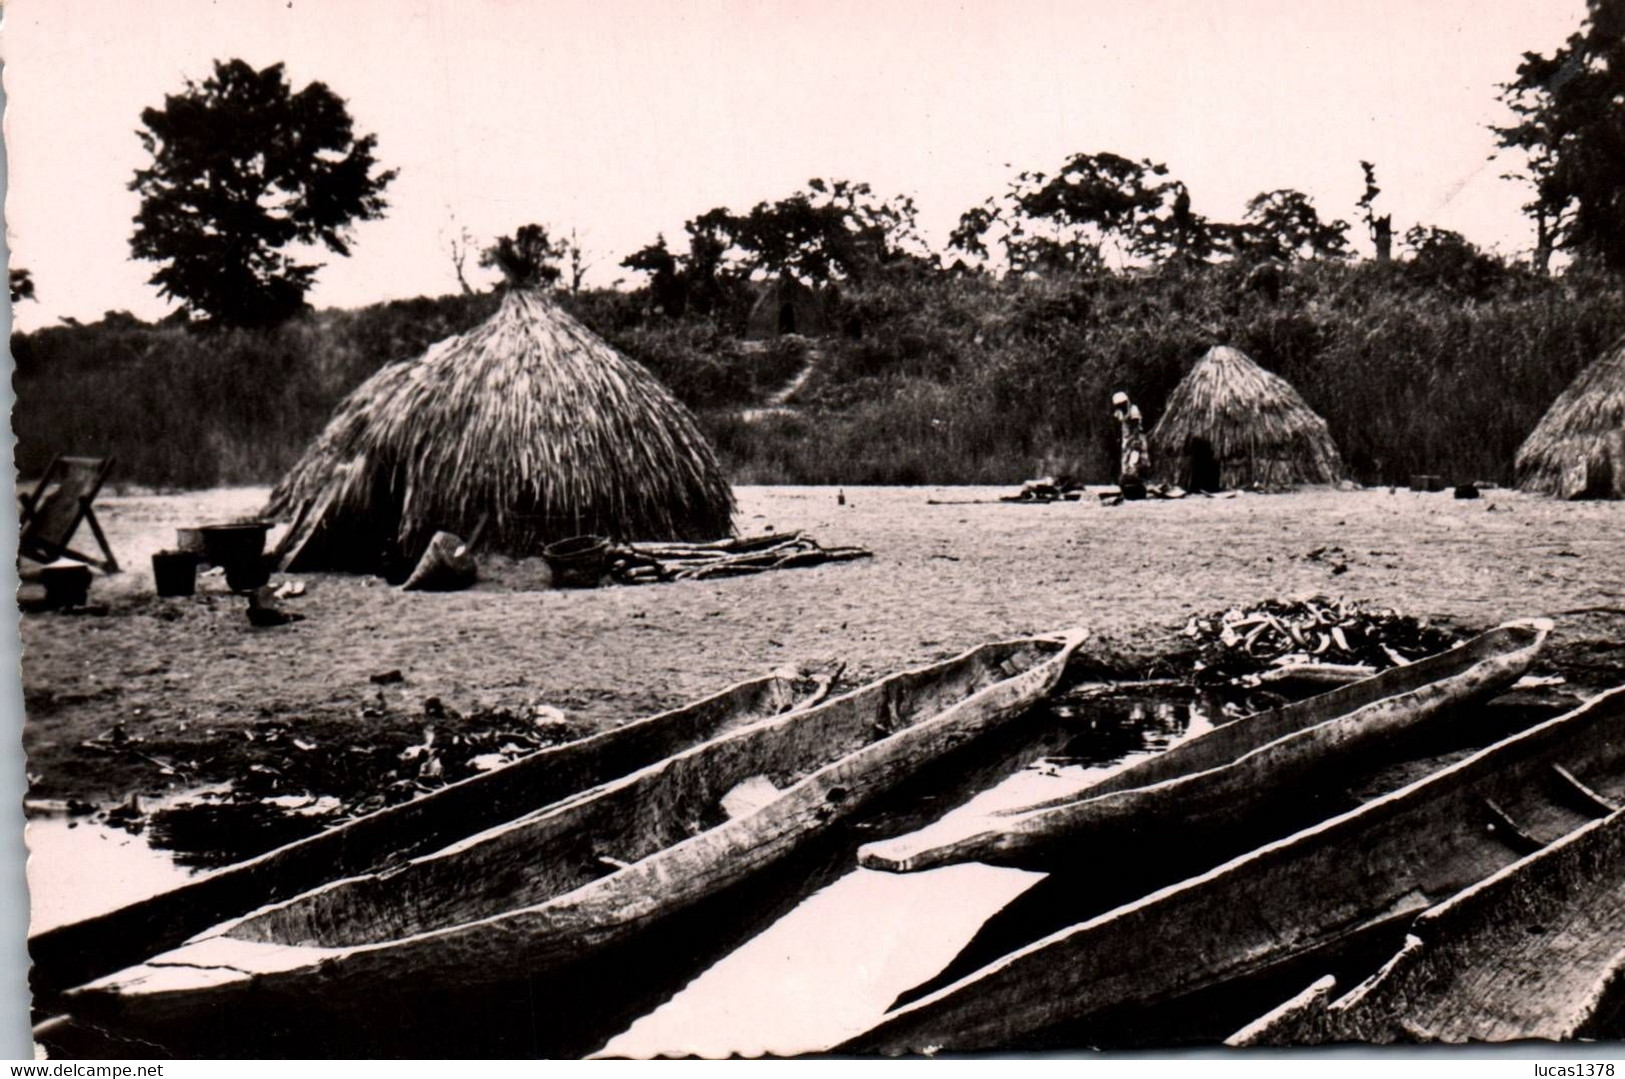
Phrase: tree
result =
(1063, 222)
(835, 230)
(22, 285)
(666, 285)
(1441, 258)
(1284, 224)
(1380, 229)
(244, 171)
(1571, 128)
(528, 259)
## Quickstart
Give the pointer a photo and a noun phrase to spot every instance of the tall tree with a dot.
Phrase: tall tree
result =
(244, 172)
(1284, 224)
(1570, 109)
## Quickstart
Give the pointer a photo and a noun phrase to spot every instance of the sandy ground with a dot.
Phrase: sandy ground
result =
(944, 577)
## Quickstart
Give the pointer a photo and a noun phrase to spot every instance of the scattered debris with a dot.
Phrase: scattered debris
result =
(1047, 489)
(1241, 645)
(643, 563)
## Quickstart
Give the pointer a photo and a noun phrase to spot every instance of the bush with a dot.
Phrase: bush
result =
(1439, 367)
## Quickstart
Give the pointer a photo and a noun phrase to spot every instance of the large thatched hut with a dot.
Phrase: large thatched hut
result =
(1230, 423)
(1578, 448)
(525, 430)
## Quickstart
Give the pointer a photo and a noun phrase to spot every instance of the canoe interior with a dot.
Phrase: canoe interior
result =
(1242, 783)
(1330, 883)
(1231, 740)
(72, 954)
(1535, 951)
(556, 851)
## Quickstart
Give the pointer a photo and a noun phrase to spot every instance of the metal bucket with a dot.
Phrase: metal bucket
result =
(174, 573)
(227, 545)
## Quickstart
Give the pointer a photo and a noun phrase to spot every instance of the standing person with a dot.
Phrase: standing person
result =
(1135, 465)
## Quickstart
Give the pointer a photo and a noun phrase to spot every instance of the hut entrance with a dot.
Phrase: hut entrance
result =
(787, 317)
(1203, 466)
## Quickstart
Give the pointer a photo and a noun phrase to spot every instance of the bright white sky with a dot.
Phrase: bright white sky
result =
(625, 118)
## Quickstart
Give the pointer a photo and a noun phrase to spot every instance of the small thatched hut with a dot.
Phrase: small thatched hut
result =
(525, 430)
(785, 305)
(1230, 423)
(1578, 448)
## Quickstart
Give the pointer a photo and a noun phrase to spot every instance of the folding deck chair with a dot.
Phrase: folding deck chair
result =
(51, 512)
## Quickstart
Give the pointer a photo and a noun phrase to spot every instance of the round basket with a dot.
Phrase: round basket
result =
(578, 562)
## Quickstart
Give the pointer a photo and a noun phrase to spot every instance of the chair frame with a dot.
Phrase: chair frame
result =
(42, 550)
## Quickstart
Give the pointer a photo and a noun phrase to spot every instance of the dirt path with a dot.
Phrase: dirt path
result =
(944, 577)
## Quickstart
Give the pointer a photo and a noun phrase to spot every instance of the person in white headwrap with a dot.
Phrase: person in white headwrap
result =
(1135, 465)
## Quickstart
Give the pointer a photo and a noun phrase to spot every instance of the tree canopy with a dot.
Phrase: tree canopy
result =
(244, 171)
(1571, 127)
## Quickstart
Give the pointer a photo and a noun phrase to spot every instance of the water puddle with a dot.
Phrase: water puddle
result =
(78, 867)
(833, 966)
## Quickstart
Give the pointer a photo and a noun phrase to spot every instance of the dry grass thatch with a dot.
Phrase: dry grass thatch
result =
(1230, 423)
(1578, 448)
(527, 429)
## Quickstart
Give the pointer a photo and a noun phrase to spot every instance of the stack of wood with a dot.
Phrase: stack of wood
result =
(644, 563)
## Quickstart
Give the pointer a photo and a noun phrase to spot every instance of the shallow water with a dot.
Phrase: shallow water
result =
(79, 867)
(832, 966)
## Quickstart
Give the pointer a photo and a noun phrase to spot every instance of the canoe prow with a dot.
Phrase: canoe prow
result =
(1231, 774)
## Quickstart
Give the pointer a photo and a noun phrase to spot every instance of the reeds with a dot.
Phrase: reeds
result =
(527, 429)
(1578, 448)
(1251, 426)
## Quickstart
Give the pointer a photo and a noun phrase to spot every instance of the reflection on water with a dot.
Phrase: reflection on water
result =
(78, 867)
(831, 967)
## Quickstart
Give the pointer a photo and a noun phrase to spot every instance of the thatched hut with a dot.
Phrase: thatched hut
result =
(1578, 448)
(525, 430)
(785, 305)
(1230, 423)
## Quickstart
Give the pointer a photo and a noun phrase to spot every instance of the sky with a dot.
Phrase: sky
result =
(624, 118)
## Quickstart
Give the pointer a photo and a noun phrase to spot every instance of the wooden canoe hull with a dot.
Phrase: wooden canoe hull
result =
(1536, 951)
(1392, 857)
(72, 954)
(1217, 783)
(306, 948)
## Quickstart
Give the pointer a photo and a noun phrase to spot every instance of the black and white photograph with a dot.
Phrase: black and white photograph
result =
(746, 528)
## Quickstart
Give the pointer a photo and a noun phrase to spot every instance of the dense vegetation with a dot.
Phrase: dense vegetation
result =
(930, 377)
(1076, 281)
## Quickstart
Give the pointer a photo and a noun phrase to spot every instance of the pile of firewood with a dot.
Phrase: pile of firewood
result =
(645, 563)
(1317, 639)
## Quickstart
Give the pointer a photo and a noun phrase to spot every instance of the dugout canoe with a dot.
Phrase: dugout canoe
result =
(1298, 899)
(558, 884)
(1536, 951)
(69, 955)
(1221, 783)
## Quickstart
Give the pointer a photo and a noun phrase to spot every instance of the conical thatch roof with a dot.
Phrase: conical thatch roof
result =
(1578, 448)
(785, 305)
(527, 429)
(1230, 423)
